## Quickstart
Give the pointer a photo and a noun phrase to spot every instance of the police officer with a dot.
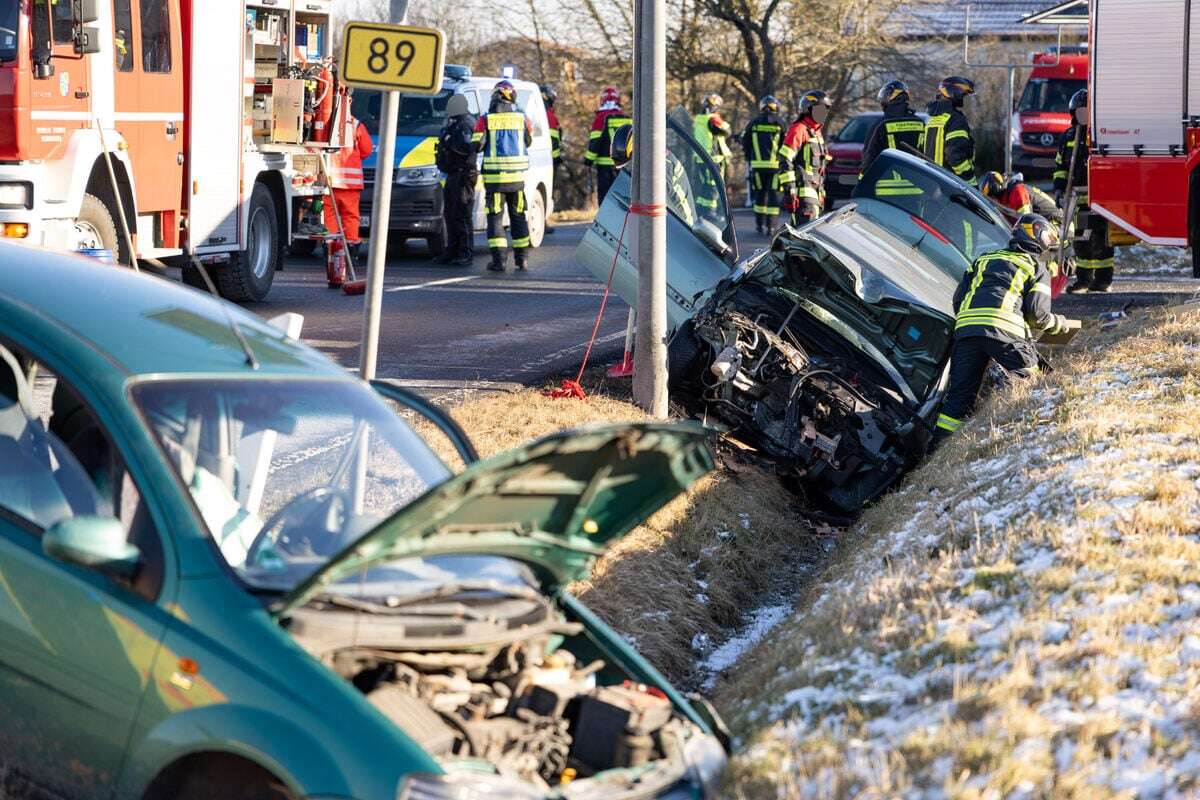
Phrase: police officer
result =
(803, 158)
(1093, 253)
(900, 124)
(455, 155)
(504, 134)
(760, 143)
(948, 139)
(609, 117)
(1003, 304)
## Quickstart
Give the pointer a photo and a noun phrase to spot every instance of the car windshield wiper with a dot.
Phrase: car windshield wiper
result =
(393, 603)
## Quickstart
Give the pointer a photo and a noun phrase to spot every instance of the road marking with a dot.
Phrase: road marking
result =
(442, 282)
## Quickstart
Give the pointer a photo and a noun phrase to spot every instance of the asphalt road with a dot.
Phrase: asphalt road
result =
(447, 328)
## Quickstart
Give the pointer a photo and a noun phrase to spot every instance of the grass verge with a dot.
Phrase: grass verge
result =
(684, 578)
(1019, 619)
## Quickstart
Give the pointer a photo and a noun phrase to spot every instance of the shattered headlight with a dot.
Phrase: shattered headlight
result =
(706, 760)
(464, 786)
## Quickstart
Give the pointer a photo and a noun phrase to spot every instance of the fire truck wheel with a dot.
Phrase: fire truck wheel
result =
(96, 229)
(249, 274)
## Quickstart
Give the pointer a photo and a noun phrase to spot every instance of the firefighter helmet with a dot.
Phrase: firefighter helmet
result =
(813, 98)
(610, 95)
(1034, 234)
(622, 145)
(712, 102)
(1079, 100)
(956, 87)
(893, 92)
(991, 184)
(505, 92)
(549, 95)
(769, 103)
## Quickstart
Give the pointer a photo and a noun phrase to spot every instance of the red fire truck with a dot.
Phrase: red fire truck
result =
(1041, 114)
(198, 122)
(1145, 105)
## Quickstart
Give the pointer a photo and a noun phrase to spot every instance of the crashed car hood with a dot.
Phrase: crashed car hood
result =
(879, 265)
(556, 503)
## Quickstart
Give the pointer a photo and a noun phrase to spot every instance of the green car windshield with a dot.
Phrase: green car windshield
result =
(287, 473)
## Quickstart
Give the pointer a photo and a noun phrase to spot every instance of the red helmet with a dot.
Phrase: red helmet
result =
(610, 95)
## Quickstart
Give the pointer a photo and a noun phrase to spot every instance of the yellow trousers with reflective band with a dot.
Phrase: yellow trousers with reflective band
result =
(518, 224)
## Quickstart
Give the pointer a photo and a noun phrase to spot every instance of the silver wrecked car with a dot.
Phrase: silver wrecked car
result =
(829, 352)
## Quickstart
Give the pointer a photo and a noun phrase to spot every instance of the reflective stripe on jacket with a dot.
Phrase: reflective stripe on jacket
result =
(555, 134)
(346, 165)
(761, 141)
(804, 157)
(1062, 160)
(1005, 295)
(712, 133)
(948, 140)
(898, 126)
(604, 127)
(504, 135)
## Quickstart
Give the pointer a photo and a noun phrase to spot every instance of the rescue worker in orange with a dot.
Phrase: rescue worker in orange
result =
(803, 158)
(609, 117)
(1018, 197)
(346, 180)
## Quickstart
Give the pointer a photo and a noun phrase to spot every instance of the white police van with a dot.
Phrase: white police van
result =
(416, 193)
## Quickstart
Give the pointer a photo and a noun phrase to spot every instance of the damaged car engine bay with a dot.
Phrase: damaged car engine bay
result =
(771, 361)
(482, 682)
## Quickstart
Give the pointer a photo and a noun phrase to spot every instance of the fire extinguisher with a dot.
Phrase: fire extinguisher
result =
(323, 113)
(335, 262)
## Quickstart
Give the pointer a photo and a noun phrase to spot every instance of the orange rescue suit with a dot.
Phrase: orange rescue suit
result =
(346, 177)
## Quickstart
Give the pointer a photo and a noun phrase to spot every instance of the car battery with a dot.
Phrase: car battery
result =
(614, 726)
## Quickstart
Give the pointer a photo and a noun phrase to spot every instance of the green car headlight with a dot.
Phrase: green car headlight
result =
(464, 786)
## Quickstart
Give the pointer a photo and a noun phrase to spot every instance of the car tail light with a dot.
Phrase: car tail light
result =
(928, 228)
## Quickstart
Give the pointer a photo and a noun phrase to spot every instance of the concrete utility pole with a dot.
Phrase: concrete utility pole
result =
(399, 11)
(650, 195)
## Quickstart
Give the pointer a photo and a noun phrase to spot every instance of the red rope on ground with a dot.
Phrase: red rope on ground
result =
(573, 388)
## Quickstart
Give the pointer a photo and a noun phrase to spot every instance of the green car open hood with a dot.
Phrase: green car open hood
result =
(556, 504)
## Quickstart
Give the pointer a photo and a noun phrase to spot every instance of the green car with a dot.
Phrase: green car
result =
(229, 569)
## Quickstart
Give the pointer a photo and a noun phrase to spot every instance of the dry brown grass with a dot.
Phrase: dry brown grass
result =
(694, 567)
(1018, 620)
(567, 215)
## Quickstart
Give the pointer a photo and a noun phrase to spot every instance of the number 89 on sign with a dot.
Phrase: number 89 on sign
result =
(393, 57)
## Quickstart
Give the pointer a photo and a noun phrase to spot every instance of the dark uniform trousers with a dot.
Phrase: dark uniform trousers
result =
(968, 364)
(765, 183)
(605, 176)
(1094, 255)
(514, 200)
(457, 197)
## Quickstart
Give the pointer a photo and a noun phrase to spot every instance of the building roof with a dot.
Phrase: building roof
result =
(995, 18)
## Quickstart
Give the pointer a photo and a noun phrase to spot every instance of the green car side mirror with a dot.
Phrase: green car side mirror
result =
(98, 543)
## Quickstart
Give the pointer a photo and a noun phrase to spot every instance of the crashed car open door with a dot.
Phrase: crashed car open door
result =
(701, 242)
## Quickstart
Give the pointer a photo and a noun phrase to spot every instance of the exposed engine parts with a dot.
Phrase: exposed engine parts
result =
(801, 405)
(534, 715)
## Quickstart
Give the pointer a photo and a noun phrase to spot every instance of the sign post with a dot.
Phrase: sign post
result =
(392, 59)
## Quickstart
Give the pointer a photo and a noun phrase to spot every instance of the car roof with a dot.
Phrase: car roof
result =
(140, 323)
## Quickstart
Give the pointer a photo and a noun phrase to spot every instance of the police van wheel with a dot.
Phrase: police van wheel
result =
(536, 216)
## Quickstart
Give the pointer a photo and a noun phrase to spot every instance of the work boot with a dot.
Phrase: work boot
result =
(497, 264)
(522, 261)
(1083, 281)
(1102, 281)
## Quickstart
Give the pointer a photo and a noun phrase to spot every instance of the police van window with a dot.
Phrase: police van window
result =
(156, 36)
(123, 36)
(64, 22)
(472, 102)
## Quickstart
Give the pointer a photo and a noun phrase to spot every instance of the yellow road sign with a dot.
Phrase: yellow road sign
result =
(393, 57)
